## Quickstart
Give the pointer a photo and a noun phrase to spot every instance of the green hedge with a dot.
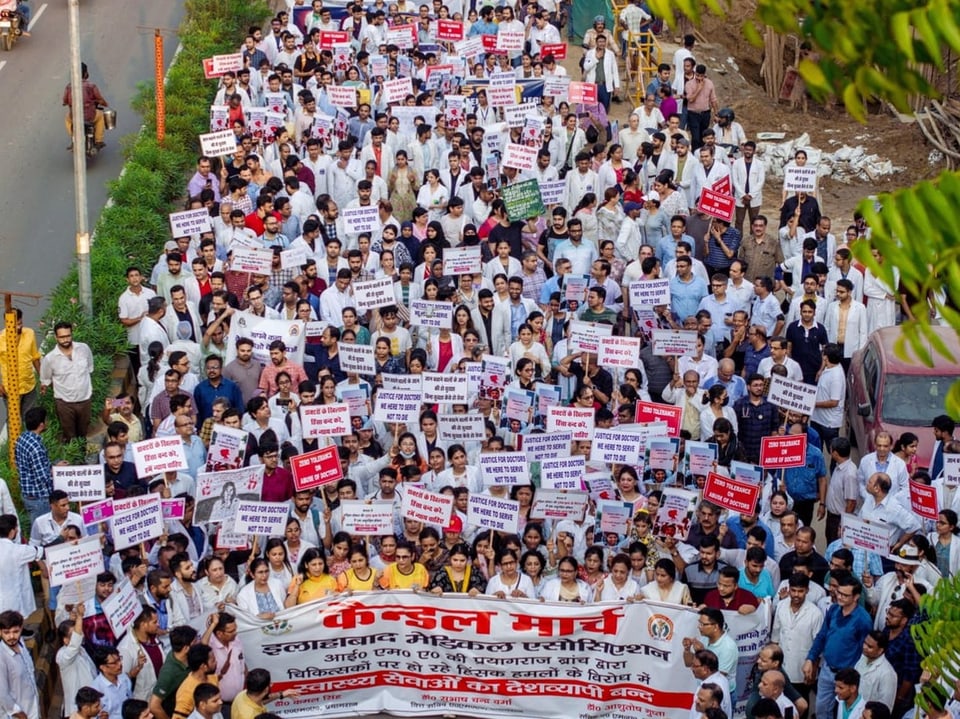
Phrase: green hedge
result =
(132, 230)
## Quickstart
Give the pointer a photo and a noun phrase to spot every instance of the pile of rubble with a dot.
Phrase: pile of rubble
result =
(846, 164)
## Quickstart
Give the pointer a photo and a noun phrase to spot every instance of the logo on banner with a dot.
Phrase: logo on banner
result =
(660, 627)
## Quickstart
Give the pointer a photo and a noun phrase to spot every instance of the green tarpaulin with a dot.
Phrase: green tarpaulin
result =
(584, 11)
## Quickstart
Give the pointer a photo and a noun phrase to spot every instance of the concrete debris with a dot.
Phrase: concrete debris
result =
(846, 164)
(733, 63)
(935, 157)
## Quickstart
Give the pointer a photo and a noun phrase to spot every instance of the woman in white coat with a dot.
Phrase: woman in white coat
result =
(263, 597)
(566, 587)
(946, 543)
(16, 591)
(881, 299)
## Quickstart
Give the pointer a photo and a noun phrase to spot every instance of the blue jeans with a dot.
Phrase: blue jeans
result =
(25, 13)
(826, 699)
(36, 507)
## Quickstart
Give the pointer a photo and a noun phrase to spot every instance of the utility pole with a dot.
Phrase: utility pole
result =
(79, 162)
(11, 370)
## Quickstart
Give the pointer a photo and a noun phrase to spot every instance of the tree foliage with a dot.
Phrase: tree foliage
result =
(881, 49)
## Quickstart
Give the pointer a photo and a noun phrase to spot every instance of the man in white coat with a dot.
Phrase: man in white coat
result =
(846, 322)
(600, 66)
(16, 591)
(18, 682)
(747, 175)
(508, 316)
(709, 172)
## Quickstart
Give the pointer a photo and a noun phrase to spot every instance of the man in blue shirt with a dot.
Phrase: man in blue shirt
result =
(214, 386)
(838, 643)
(807, 485)
(686, 290)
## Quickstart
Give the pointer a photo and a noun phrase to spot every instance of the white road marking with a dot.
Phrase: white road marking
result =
(33, 20)
(2, 64)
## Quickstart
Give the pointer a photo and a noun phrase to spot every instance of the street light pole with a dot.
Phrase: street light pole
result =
(79, 162)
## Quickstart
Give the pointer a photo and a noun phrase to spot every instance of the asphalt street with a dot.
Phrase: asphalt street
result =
(37, 219)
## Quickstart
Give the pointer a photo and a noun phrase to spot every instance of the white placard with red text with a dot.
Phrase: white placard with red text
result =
(578, 421)
(159, 455)
(325, 420)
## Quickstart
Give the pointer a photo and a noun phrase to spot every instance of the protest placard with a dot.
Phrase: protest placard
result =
(662, 454)
(357, 358)
(504, 468)
(263, 332)
(783, 452)
(159, 455)
(82, 483)
(617, 351)
(317, 468)
(402, 382)
(356, 400)
(510, 40)
(451, 30)
(217, 144)
(462, 260)
(800, 179)
(700, 458)
(341, 96)
(656, 412)
(141, 524)
(358, 517)
(558, 504)
(585, 336)
(268, 519)
(563, 472)
(674, 342)
(731, 494)
(173, 508)
(723, 186)
(228, 447)
(716, 204)
(923, 500)
(258, 260)
(551, 193)
(397, 406)
(538, 447)
(461, 428)
(431, 314)
(502, 89)
(425, 506)
(744, 472)
(951, 469)
(522, 158)
(360, 219)
(442, 388)
(501, 515)
(584, 93)
(371, 294)
(522, 198)
(675, 516)
(613, 517)
(122, 608)
(74, 561)
(792, 395)
(557, 49)
(397, 89)
(325, 420)
(857, 533)
(218, 65)
(219, 493)
(576, 420)
(294, 258)
(189, 222)
(649, 293)
(97, 512)
(329, 39)
(614, 446)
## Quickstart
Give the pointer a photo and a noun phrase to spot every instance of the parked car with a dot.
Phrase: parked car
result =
(886, 393)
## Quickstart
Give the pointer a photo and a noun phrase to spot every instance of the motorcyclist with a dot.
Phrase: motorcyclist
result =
(22, 9)
(92, 100)
(730, 134)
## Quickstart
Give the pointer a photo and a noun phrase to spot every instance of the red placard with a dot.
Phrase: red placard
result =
(208, 69)
(449, 30)
(490, 45)
(317, 468)
(731, 494)
(558, 50)
(713, 203)
(783, 452)
(923, 500)
(431, 69)
(330, 38)
(723, 186)
(655, 412)
(583, 92)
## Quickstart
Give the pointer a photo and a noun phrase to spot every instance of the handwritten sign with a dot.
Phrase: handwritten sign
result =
(441, 388)
(800, 179)
(425, 506)
(617, 351)
(731, 494)
(461, 427)
(317, 468)
(159, 455)
(500, 515)
(576, 420)
(325, 420)
(357, 358)
(371, 294)
(264, 518)
(362, 518)
(216, 144)
(189, 223)
(792, 395)
(82, 483)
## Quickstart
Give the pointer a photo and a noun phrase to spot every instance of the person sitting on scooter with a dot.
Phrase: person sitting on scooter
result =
(92, 114)
(22, 9)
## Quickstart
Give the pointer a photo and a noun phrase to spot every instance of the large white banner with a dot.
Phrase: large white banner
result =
(420, 655)
(262, 332)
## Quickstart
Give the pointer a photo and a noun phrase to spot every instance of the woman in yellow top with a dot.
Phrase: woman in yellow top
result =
(405, 573)
(361, 577)
(312, 581)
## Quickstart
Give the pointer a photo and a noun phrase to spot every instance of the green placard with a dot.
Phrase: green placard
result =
(522, 200)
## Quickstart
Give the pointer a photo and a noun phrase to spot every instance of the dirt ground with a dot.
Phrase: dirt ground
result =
(734, 66)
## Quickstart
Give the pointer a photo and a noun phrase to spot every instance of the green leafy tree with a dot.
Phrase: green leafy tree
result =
(885, 50)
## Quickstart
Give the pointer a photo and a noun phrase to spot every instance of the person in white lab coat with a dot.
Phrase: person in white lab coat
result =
(16, 591)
